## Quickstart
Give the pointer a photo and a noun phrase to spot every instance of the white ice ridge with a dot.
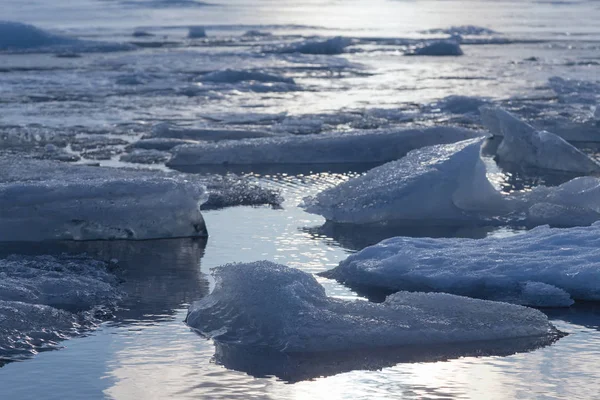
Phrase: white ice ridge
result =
(523, 145)
(437, 184)
(46, 299)
(44, 200)
(274, 306)
(358, 147)
(545, 267)
(16, 36)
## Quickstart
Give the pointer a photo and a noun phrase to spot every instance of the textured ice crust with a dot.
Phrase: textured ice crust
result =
(444, 183)
(16, 36)
(544, 267)
(47, 299)
(523, 145)
(274, 306)
(42, 200)
(360, 147)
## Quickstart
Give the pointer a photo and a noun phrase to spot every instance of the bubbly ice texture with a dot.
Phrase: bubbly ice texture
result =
(438, 48)
(16, 36)
(438, 184)
(43, 200)
(523, 145)
(332, 46)
(232, 190)
(235, 75)
(360, 147)
(544, 267)
(263, 304)
(46, 299)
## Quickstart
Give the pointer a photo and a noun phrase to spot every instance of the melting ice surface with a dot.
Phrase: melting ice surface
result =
(544, 267)
(263, 304)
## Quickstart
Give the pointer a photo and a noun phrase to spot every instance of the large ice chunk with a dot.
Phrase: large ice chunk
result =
(437, 184)
(171, 131)
(438, 48)
(360, 147)
(264, 304)
(43, 200)
(544, 267)
(523, 145)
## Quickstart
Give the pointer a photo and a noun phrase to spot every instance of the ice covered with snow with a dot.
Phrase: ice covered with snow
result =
(237, 75)
(439, 184)
(263, 304)
(46, 299)
(20, 37)
(523, 145)
(332, 46)
(44, 200)
(168, 130)
(438, 48)
(357, 147)
(544, 267)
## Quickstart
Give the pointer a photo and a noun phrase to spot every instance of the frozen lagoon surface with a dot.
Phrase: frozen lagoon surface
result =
(88, 103)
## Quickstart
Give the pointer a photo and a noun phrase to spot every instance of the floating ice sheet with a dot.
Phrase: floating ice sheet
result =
(263, 304)
(43, 200)
(358, 147)
(544, 267)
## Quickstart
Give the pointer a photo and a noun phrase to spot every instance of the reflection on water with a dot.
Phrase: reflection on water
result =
(158, 276)
(296, 367)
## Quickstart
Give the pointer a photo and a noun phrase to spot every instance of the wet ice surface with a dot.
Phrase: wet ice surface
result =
(74, 103)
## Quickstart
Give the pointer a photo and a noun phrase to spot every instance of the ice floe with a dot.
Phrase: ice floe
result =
(523, 145)
(168, 130)
(467, 30)
(43, 200)
(19, 37)
(263, 304)
(196, 32)
(358, 147)
(438, 48)
(142, 156)
(545, 267)
(333, 46)
(444, 184)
